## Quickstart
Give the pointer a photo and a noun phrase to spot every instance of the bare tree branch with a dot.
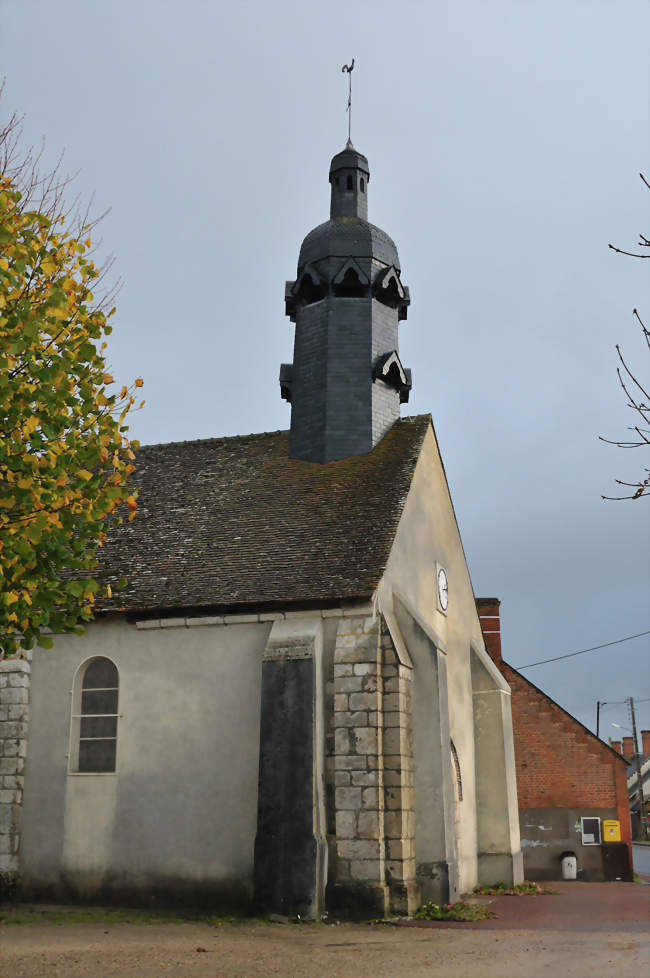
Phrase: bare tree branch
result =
(638, 398)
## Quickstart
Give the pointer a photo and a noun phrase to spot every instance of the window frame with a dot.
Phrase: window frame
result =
(590, 818)
(76, 717)
(458, 777)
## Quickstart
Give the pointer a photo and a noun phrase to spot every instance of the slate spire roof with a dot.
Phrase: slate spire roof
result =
(347, 303)
(234, 523)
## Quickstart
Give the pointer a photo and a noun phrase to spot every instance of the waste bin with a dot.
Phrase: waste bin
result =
(569, 866)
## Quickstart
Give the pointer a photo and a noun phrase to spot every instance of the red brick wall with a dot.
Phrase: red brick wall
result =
(488, 613)
(628, 747)
(559, 765)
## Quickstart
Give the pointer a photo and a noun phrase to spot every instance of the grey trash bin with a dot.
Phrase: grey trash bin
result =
(569, 866)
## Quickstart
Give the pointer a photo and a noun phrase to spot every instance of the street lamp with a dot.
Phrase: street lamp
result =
(599, 703)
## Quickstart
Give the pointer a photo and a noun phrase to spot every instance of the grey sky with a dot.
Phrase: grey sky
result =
(505, 140)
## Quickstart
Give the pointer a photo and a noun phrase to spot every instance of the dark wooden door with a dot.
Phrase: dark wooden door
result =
(616, 861)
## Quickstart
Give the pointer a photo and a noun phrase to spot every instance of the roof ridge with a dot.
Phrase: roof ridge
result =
(202, 441)
(410, 419)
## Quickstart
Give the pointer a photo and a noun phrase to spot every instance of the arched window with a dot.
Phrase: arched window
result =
(310, 289)
(363, 186)
(458, 787)
(350, 182)
(95, 716)
(351, 286)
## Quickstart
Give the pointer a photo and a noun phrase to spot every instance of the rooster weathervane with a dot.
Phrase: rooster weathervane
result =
(349, 69)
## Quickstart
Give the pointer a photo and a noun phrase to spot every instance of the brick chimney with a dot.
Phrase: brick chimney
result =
(628, 747)
(645, 742)
(488, 613)
(615, 745)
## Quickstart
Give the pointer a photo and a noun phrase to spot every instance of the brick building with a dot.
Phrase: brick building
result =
(569, 782)
(626, 748)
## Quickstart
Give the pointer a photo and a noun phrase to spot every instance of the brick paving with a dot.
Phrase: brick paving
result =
(577, 907)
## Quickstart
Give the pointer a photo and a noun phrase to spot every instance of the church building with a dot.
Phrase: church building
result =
(290, 707)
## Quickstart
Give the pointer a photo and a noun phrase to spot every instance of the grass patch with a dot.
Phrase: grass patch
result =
(100, 915)
(453, 911)
(519, 889)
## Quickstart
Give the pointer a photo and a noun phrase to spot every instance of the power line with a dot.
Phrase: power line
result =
(593, 648)
(622, 702)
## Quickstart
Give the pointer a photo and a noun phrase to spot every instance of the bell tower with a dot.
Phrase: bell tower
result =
(346, 382)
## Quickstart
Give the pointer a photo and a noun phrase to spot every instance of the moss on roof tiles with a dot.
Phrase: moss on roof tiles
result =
(230, 522)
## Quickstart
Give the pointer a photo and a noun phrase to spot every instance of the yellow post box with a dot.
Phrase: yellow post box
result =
(611, 830)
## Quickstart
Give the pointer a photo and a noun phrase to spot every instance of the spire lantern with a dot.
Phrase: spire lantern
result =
(349, 177)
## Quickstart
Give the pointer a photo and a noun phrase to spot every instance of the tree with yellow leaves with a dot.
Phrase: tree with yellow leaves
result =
(64, 455)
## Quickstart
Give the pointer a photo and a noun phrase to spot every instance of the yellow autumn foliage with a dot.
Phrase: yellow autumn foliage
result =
(64, 453)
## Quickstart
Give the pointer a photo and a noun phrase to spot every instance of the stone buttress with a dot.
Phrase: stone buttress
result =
(372, 846)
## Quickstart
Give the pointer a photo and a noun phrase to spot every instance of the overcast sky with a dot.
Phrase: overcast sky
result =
(505, 140)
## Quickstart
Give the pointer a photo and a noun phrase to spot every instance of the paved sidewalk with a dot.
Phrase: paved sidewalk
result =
(577, 907)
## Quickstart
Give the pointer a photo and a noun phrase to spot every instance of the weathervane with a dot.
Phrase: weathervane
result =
(349, 68)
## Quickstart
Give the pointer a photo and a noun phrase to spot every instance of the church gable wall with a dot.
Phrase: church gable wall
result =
(428, 538)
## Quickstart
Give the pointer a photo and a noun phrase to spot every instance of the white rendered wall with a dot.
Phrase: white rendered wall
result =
(181, 810)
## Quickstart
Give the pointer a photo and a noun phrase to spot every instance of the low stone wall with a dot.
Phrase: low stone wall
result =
(14, 719)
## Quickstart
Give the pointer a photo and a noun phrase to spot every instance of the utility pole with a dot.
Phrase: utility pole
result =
(637, 757)
(599, 703)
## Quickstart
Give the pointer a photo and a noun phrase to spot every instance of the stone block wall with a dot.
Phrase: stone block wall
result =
(14, 719)
(371, 766)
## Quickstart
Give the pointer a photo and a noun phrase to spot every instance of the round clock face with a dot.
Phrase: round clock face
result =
(443, 589)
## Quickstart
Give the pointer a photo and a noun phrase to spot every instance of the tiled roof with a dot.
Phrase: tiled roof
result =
(234, 522)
